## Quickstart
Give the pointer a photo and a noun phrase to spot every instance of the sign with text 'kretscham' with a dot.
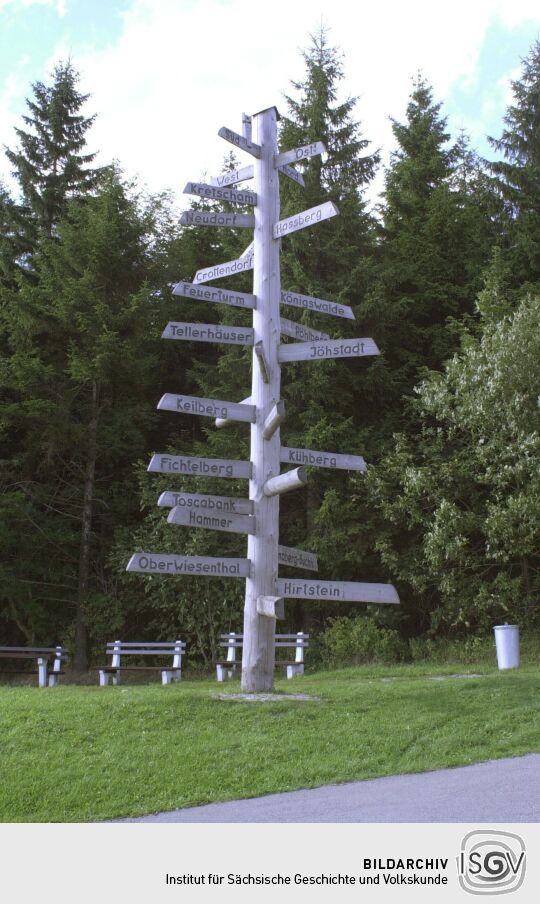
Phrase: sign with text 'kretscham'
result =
(208, 332)
(213, 193)
(215, 295)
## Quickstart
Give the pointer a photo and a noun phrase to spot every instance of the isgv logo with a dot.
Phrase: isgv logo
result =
(491, 862)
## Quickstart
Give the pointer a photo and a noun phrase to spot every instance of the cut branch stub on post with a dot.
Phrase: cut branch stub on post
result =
(284, 483)
(271, 606)
(275, 418)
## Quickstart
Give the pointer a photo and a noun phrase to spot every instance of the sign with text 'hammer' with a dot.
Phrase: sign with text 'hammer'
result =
(216, 295)
(345, 591)
(213, 193)
(326, 349)
(201, 566)
(237, 524)
(233, 411)
(163, 463)
(208, 332)
(305, 218)
(217, 218)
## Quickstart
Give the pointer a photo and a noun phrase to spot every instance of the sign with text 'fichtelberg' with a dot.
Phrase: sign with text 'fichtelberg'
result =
(162, 463)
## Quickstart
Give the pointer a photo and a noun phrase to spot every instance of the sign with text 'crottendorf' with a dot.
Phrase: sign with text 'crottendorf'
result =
(213, 193)
(201, 566)
(305, 218)
(319, 305)
(216, 295)
(233, 411)
(298, 154)
(297, 558)
(239, 141)
(220, 271)
(163, 463)
(208, 332)
(309, 457)
(327, 349)
(217, 218)
(202, 503)
(232, 177)
(299, 331)
(236, 524)
(346, 591)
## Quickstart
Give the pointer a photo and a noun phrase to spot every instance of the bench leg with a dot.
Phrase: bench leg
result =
(103, 678)
(223, 672)
(293, 670)
(166, 676)
(177, 674)
(42, 672)
(53, 680)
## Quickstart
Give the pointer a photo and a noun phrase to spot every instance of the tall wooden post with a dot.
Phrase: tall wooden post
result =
(258, 651)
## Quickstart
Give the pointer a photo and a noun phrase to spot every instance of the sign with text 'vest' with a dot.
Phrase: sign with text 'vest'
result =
(208, 332)
(237, 524)
(346, 591)
(305, 218)
(163, 463)
(218, 296)
(198, 566)
(316, 459)
(297, 558)
(298, 154)
(232, 177)
(299, 331)
(326, 349)
(233, 411)
(319, 305)
(213, 193)
(217, 218)
(240, 142)
(213, 504)
(220, 271)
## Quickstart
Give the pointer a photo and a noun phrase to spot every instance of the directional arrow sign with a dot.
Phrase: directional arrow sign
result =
(292, 174)
(237, 524)
(217, 218)
(240, 142)
(203, 566)
(299, 330)
(295, 588)
(163, 463)
(233, 411)
(201, 503)
(219, 271)
(212, 293)
(248, 252)
(232, 177)
(305, 218)
(328, 348)
(208, 332)
(310, 303)
(220, 194)
(297, 154)
(297, 558)
(322, 459)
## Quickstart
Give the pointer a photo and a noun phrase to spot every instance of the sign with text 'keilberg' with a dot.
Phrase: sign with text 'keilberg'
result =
(298, 154)
(240, 142)
(328, 348)
(322, 459)
(208, 332)
(212, 293)
(237, 524)
(305, 218)
(201, 566)
(233, 411)
(213, 193)
(346, 591)
(220, 271)
(299, 331)
(163, 463)
(217, 218)
(200, 502)
(232, 177)
(297, 558)
(319, 305)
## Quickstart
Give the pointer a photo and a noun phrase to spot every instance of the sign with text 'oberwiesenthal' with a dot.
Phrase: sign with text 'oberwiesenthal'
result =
(322, 459)
(220, 271)
(217, 218)
(346, 591)
(233, 411)
(236, 524)
(203, 566)
(328, 348)
(213, 193)
(305, 218)
(216, 295)
(208, 332)
(319, 305)
(201, 502)
(297, 558)
(162, 463)
(299, 330)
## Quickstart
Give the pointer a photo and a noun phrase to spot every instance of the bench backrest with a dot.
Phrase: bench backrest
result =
(174, 648)
(298, 641)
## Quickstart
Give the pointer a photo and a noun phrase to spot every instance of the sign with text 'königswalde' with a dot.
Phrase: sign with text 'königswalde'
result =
(318, 305)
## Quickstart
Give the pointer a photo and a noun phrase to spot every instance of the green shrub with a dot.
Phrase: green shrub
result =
(355, 641)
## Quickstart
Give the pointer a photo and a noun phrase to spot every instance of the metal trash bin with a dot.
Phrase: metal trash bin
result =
(507, 644)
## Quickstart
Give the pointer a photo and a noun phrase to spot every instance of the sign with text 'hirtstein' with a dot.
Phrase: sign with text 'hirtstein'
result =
(163, 463)
(237, 524)
(201, 566)
(322, 459)
(299, 331)
(212, 293)
(220, 271)
(297, 558)
(217, 218)
(203, 503)
(213, 193)
(208, 332)
(319, 305)
(240, 142)
(326, 349)
(232, 177)
(346, 591)
(297, 154)
(305, 218)
(233, 411)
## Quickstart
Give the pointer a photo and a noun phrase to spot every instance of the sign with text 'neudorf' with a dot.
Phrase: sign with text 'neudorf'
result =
(162, 463)
(299, 331)
(297, 558)
(213, 193)
(319, 305)
(203, 503)
(208, 332)
(305, 218)
(217, 218)
(202, 566)
(233, 411)
(240, 142)
(322, 459)
(237, 524)
(328, 348)
(346, 591)
(220, 271)
(215, 295)
(232, 177)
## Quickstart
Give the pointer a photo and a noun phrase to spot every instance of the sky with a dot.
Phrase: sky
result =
(165, 75)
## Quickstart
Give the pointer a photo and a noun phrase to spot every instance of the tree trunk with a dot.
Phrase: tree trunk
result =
(80, 661)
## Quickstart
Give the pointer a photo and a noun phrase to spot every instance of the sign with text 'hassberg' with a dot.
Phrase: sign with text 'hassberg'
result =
(208, 332)
(299, 331)
(319, 305)
(346, 591)
(201, 502)
(322, 459)
(213, 193)
(163, 463)
(297, 558)
(232, 177)
(233, 411)
(217, 218)
(237, 524)
(302, 153)
(305, 218)
(220, 271)
(240, 142)
(327, 349)
(212, 293)
(202, 566)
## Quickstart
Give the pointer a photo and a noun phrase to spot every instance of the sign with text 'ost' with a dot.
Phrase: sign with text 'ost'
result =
(217, 218)
(305, 218)
(216, 295)
(232, 177)
(213, 193)
(162, 463)
(319, 305)
(208, 332)
(326, 349)
(297, 558)
(237, 524)
(345, 591)
(298, 154)
(322, 459)
(233, 411)
(198, 566)
(200, 502)
(220, 271)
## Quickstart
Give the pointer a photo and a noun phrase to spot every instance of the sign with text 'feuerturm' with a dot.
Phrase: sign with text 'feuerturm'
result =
(327, 348)
(322, 459)
(346, 591)
(216, 295)
(201, 566)
(162, 463)
(319, 305)
(233, 411)
(297, 558)
(217, 218)
(199, 502)
(305, 218)
(208, 332)
(213, 193)
(220, 271)
(236, 524)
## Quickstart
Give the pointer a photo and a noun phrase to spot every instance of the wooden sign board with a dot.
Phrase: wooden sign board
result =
(233, 411)
(208, 332)
(163, 463)
(297, 558)
(232, 177)
(297, 154)
(217, 218)
(220, 271)
(320, 305)
(305, 218)
(212, 293)
(292, 174)
(248, 252)
(213, 193)
(308, 457)
(299, 331)
(328, 348)
(237, 524)
(200, 502)
(240, 142)
(200, 566)
(346, 591)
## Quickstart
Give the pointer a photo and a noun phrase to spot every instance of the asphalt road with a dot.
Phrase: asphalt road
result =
(505, 791)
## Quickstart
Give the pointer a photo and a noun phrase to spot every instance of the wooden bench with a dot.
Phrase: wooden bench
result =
(118, 648)
(42, 657)
(225, 668)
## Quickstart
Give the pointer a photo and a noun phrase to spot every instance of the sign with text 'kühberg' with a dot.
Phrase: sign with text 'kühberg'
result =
(299, 331)
(305, 218)
(237, 524)
(162, 463)
(203, 503)
(319, 305)
(220, 271)
(202, 566)
(233, 411)
(346, 591)
(297, 558)
(208, 332)
(213, 294)
(322, 459)
(217, 218)
(213, 193)
(328, 348)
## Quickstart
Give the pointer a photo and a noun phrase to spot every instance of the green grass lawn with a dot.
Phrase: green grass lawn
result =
(87, 753)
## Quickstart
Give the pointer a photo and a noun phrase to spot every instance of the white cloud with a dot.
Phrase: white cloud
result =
(58, 5)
